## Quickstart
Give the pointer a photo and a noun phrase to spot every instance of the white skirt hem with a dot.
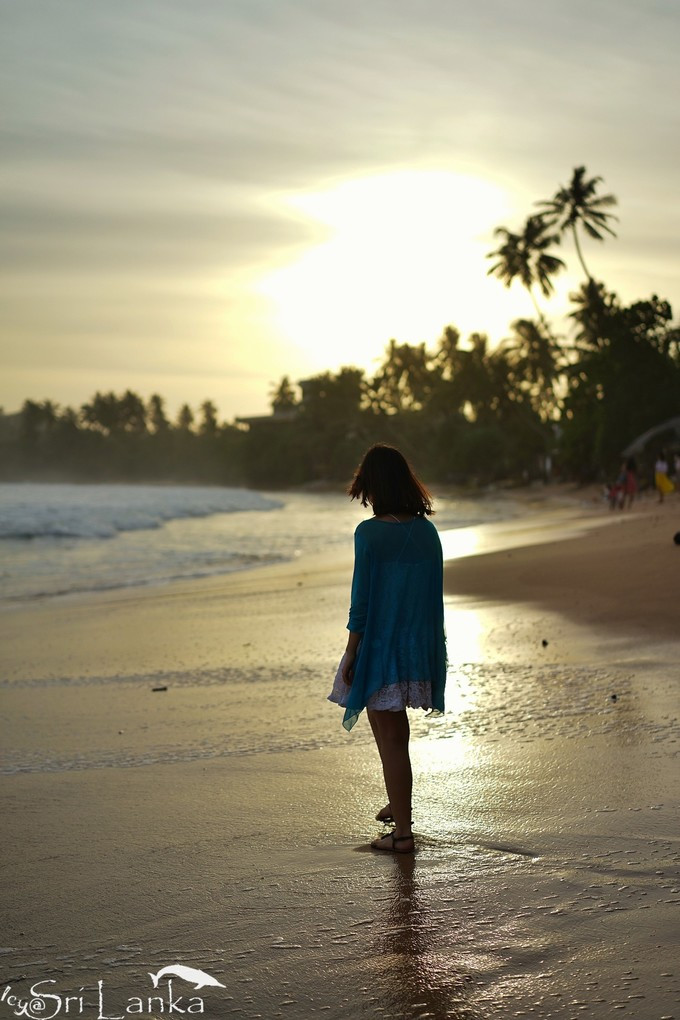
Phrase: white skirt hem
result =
(391, 698)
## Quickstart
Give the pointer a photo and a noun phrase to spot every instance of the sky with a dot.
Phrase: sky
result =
(200, 197)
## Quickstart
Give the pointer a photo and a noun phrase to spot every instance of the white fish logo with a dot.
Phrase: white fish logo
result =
(199, 977)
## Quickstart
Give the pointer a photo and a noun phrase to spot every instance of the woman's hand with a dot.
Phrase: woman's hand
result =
(348, 669)
(349, 657)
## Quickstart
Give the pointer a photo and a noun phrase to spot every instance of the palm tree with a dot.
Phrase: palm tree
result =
(525, 257)
(594, 310)
(580, 203)
(536, 361)
(209, 425)
(185, 418)
(474, 385)
(404, 380)
(282, 396)
(156, 413)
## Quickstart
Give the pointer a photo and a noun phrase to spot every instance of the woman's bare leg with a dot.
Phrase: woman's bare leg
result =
(374, 726)
(385, 812)
(393, 737)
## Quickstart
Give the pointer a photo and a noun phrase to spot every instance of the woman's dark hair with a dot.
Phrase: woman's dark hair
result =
(385, 480)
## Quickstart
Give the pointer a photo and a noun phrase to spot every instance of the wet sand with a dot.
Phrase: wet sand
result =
(223, 823)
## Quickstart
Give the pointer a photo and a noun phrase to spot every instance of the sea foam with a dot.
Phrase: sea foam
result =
(91, 511)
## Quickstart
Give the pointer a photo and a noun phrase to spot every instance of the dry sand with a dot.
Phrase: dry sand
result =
(223, 823)
(625, 574)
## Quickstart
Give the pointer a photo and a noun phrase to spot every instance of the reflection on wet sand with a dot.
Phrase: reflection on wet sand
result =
(416, 975)
(464, 634)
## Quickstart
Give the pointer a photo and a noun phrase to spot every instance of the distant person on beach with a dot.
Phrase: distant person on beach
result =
(396, 650)
(630, 485)
(622, 492)
(661, 480)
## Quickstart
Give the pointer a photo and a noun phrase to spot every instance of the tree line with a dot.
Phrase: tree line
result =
(540, 402)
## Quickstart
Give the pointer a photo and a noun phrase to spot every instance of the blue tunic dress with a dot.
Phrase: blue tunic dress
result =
(397, 606)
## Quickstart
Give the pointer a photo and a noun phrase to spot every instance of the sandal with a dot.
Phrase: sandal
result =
(395, 840)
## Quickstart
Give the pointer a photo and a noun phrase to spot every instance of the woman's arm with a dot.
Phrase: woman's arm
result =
(359, 606)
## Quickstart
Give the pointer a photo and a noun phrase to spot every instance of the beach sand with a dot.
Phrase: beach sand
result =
(223, 823)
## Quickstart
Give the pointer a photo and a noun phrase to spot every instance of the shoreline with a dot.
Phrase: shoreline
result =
(535, 511)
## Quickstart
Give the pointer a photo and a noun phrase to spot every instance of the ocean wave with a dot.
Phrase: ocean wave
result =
(33, 511)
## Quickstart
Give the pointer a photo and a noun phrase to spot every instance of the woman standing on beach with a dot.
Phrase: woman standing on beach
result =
(396, 651)
(662, 482)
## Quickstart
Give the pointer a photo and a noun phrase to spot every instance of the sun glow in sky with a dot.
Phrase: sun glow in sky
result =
(402, 250)
(200, 198)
